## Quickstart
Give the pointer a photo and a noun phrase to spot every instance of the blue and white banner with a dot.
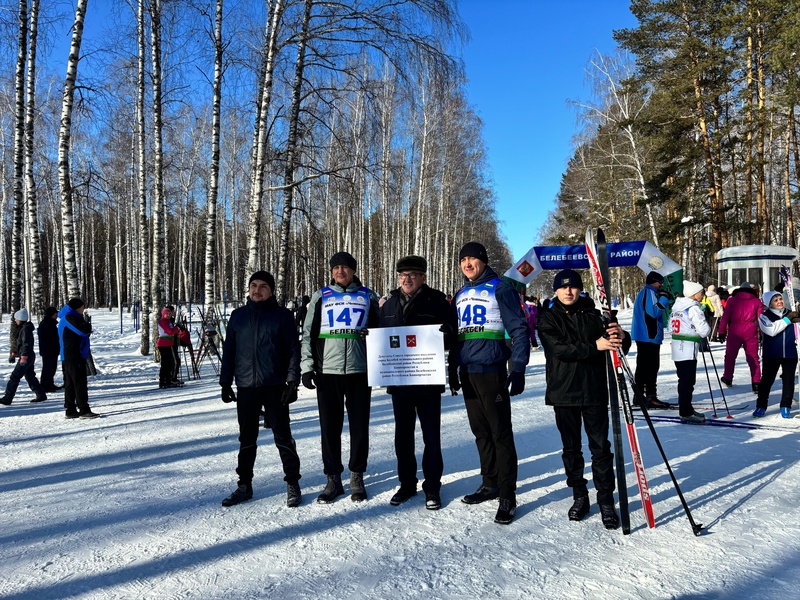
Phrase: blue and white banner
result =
(640, 254)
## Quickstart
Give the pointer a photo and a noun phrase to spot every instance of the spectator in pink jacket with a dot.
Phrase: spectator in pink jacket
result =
(739, 327)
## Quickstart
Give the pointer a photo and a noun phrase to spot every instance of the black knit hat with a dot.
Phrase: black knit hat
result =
(654, 277)
(475, 250)
(567, 278)
(263, 276)
(343, 258)
(75, 303)
(412, 263)
(50, 311)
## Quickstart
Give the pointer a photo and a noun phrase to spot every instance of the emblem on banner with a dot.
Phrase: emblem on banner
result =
(411, 341)
(525, 268)
(655, 262)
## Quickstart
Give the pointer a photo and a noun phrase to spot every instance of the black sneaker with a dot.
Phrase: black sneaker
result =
(72, 414)
(579, 508)
(727, 382)
(433, 501)
(358, 493)
(609, 516)
(333, 489)
(293, 496)
(88, 415)
(505, 512)
(5, 400)
(402, 495)
(241, 494)
(482, 494)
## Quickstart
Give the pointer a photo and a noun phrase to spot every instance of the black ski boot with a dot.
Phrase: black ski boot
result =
(609, 515)
(579, 508)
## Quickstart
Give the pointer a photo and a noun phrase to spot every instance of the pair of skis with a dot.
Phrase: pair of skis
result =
(618, 371)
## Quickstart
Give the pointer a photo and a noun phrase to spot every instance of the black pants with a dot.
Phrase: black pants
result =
(769, 370)
(176, 358)
(76, 387)
(648, 361)
(428, 407)
(27, 371)
(334, 394)
(595, 422)
(489, 412)
(248, 410)
(687, 377)
(49, 366)
(167, 368)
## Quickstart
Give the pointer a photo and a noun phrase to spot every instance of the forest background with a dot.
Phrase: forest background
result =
(194, 142)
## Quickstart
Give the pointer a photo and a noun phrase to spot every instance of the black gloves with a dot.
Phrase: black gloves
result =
(309, 377)
(516, 383)
(12, 358)
(452, 377)
(722, 337)
(793, 316)
(289, 393)
(446, 329)
(227, 394)
(362, 333)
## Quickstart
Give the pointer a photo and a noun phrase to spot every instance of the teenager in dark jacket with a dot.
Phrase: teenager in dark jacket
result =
(575, 342)
(414, 303)
(487, 308)
(24, 367)
(73, 332)
(49, 348)
(262, 354)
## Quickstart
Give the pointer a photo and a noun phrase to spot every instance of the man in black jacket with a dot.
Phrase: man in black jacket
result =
(49, 348)
(575, 342)
(261, 352)
(414, 303)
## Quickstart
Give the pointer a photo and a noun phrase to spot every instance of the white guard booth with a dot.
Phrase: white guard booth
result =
(758, 265)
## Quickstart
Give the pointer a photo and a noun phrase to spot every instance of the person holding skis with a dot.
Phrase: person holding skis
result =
(27, 358)
(739, 327)
(647, 330)
(690, 329)
(261, 353)
(778, 351)
(334, 362)
(487, 307)
(575, 341)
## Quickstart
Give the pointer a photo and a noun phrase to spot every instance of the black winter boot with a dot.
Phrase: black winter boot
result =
(579, 508)
(333, 489)
(482, 494)
(609, 515)
(241, 494)
(358, 493)
(293, 496)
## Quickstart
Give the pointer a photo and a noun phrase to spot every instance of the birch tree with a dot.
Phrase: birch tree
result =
(16, 276)
(141, 181)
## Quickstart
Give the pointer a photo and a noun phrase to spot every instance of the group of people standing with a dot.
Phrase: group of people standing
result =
(63, 334)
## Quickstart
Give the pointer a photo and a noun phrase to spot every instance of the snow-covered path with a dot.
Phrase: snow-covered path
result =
(128, 506)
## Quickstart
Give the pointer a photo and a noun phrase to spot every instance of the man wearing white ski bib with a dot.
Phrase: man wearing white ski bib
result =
(486, 307)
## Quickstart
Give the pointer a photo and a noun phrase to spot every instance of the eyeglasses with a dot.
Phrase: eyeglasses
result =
(411, 276)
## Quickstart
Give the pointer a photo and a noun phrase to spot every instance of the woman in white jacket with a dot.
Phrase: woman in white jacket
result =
(689, 328)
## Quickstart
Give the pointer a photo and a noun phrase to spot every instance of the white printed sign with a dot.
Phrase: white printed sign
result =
(411, 355)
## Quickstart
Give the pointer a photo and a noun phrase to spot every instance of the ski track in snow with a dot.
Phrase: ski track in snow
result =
(128, 506)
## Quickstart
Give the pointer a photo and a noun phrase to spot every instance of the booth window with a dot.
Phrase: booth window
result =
(739, 276)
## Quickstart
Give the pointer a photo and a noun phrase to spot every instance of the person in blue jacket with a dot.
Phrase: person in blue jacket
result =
(73, 334)
(778, 351)
(647, 330)
(486, 307)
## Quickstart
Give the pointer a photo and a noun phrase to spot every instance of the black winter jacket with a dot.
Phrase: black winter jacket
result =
(261, 346)
(576, 369)
(427, 307)
(48, 337)
(25, 340)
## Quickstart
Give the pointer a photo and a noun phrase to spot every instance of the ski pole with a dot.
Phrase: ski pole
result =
(708, 379)
(721, 391)
(696, 527)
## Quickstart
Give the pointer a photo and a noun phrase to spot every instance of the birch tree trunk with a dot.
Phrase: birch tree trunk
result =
(35, 306)
(158, 255)
(16, 275)
(291, 155)
(64, 136)
(141, 180)
(213, 184)
(257, 179)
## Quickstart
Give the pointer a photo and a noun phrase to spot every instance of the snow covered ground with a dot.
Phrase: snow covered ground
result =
(128, 506)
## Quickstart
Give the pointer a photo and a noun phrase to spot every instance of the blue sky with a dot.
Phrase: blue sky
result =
(525, 62)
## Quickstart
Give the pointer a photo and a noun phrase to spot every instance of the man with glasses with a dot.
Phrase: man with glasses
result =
(487, 307)
(414, 303)
(334, 362)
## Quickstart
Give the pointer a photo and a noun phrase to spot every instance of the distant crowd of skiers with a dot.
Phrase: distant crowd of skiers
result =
(488, 329)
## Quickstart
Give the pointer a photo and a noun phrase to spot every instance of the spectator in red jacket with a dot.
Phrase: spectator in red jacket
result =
(166, 340)
(739, 327)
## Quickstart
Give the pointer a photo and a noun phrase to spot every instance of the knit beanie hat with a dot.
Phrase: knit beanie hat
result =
(475, 250)
(75, 303)
(412, 263)
(654, 277)
(263, 276)
(21, 315)
(343, 259)
(50, 311)
(567, 278)
(690, 288)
